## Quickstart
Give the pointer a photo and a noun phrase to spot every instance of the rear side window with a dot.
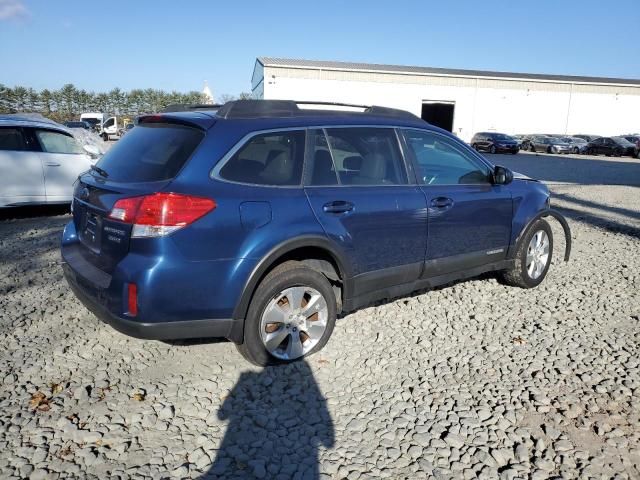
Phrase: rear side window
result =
(268, 159)
(150, 153)
(11, 139)
(56, 142)
(366, 156)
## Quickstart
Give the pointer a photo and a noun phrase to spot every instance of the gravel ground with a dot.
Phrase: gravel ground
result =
(475, 380)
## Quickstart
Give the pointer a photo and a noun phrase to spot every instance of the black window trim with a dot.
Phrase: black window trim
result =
(214, 174)
(215, 171)
(463, 146)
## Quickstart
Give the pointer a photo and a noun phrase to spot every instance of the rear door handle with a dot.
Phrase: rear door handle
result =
(442, 202)
(51, 164)
(338, 206)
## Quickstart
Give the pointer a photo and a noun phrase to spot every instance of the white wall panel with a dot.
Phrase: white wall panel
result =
(509, 106)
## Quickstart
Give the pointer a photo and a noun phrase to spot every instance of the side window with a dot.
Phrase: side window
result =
(56, 142)
(109, 123)
(322, 171)
(441, 161)
(366, 156)
(11, 139)
(268, 159)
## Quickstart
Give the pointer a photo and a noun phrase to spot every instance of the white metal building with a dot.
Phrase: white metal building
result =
(462, 101)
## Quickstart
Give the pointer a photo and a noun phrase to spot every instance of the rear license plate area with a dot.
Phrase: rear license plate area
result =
(91, 231)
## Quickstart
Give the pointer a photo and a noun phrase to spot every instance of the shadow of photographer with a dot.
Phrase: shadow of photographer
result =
(278, 419)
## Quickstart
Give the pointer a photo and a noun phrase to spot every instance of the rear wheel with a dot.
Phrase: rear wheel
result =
(291, 316)
(533, 257)
(532, 147)
(576, 150)
(492, 149)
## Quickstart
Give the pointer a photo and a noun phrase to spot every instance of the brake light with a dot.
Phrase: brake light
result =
(160, 214)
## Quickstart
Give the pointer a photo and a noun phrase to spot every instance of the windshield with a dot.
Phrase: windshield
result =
(501, 136)
(91, 121)
(622, 141)
(151, 152)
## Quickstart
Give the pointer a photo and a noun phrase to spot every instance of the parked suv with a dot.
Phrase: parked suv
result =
(493, 142)
(39, 161)
(261, 222)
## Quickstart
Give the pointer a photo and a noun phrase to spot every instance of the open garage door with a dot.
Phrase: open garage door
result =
(439, 114)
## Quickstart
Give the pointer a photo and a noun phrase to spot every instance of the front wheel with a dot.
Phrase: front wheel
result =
(291, 316)
(533, 257)
(105, 137)
(532, 148)
(576, 150)
(492, 149)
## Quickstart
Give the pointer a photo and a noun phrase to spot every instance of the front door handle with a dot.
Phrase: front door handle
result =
(52, 164)
(442, 202)
(338, 207)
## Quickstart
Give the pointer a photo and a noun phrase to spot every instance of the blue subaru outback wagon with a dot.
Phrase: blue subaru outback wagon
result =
(260, 221)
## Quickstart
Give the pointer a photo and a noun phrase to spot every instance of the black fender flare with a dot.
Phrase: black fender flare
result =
(561, 220)
(279, 251)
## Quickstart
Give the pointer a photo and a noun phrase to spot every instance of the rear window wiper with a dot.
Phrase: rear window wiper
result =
(101, 172)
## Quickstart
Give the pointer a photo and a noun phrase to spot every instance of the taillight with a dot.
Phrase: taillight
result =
(159, 214)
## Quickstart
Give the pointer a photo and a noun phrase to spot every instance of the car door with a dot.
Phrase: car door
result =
(358, 188)
(21, 175)
(490, 142)
(609, 146)
(63, 161)
(469, 218)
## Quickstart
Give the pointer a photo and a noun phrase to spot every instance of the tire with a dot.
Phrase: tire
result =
(549, 150)
(532, 148)
(492, 149)
(520, 275)
(576, 150)
(105, 137)
(617, 153)
(475, 147)
(288, 277)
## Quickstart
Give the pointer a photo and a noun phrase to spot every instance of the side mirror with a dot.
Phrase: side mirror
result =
(502, 175)
(92, 150)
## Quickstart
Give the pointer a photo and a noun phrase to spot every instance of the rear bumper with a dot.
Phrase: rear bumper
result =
(219, 327)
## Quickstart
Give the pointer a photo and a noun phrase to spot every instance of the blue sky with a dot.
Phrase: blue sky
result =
(177, 45)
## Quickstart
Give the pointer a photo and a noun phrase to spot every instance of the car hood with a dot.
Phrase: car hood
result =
(522, 176)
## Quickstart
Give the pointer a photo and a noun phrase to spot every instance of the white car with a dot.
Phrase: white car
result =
(39, 161)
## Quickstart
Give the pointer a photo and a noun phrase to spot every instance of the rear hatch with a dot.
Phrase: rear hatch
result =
(143, 162)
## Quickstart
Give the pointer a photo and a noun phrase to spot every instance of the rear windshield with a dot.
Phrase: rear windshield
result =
(150, 152)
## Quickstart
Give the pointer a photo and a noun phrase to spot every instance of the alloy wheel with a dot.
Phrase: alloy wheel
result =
(293, 322)
(537, 254)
